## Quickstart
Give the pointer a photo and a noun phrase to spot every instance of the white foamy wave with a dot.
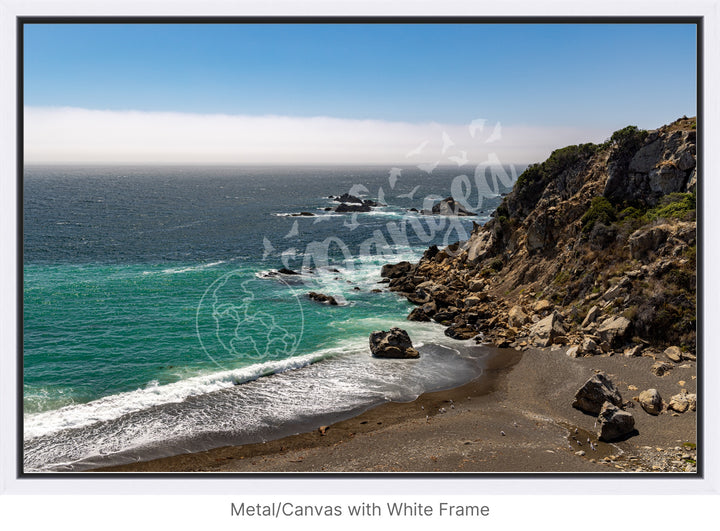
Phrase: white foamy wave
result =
(344, 381)
(185, 269)
(114, 406)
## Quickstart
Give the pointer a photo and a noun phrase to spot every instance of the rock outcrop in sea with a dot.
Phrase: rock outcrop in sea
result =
(395, 343)
(448, 207)
(595, 248)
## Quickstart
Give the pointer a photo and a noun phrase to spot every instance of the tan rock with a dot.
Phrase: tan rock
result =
(683, 402)
(673, 354)
(633, 351)
(660, 368)
(574, 351)
(591, 316)
(517, 317)
(542, 305)
(651, 401)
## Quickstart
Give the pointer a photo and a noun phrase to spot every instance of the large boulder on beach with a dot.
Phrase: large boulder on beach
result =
(614, 423)
(683, 401)
(392, 344)
(651, 401)
(595, 392)
(614, 330)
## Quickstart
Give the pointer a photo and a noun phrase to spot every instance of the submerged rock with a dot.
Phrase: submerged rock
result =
(392, 344)
(322, 298)
(614, 423)
(595, 392)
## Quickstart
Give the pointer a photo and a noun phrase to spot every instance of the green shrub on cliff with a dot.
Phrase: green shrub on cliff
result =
(674, 206)
(629, 139)
(600, 211)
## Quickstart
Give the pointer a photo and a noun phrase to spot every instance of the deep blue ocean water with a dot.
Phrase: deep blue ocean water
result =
(154, 324)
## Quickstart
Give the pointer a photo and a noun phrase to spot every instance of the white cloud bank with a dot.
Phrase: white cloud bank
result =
(73, 135)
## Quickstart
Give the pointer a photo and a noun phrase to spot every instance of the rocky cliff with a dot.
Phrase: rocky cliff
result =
(594, 248)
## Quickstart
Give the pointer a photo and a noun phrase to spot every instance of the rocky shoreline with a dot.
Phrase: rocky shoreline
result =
(594, 249)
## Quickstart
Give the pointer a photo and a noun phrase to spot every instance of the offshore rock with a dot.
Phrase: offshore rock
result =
(448, 207)
(393, 344)
(322, 298)
(351, 207)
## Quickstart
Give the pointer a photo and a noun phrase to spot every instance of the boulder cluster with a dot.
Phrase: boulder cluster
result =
(600, 398)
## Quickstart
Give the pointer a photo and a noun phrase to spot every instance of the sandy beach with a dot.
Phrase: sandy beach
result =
(517, 417)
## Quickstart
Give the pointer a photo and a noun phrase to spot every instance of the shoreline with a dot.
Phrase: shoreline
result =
(516, 417)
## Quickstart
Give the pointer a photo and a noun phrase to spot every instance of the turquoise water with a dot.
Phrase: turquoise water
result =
(154, 322)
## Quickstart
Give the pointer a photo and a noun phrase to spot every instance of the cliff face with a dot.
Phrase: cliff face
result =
(596, 238)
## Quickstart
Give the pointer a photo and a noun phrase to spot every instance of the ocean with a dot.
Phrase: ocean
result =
(155, 322)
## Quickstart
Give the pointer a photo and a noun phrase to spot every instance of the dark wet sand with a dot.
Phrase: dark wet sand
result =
(516, 418)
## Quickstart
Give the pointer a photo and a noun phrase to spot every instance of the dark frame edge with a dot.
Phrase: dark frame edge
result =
(361, 19)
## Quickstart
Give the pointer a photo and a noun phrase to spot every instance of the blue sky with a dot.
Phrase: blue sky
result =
(592, 78)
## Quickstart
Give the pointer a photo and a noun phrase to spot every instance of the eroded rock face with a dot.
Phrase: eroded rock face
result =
(664, 164)
(595, 392)
(643, 241)
(392, 344)
(614, 423)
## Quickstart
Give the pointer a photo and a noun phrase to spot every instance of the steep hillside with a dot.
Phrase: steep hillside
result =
(595, 247)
